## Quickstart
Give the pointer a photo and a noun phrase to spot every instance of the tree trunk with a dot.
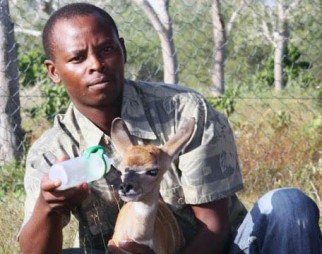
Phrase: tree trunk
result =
(10, 120)
(281, 43)
(158, 13)
(218, 82)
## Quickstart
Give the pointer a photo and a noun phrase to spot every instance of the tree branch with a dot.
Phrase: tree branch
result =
(31, 32)
(234, 16)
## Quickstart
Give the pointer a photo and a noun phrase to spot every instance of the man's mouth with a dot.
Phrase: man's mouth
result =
(99, 82)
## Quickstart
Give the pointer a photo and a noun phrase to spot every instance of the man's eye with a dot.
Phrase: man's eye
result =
(77, 59)
(107, 49)
(152, 172)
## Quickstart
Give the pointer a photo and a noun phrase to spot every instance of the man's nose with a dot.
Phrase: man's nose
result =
(96, 63)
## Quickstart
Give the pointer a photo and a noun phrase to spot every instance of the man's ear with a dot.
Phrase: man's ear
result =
(124, 49)
(52, 71)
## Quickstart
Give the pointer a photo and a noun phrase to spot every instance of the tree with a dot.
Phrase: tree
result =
(280, 43)
(221, 33)
(10, 120)
(158, 13)
(276, 30)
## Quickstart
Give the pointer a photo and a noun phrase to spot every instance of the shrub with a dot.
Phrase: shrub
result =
(57, 101)
(295, 70)
(225, 103)
(11, 180)
(31, 67)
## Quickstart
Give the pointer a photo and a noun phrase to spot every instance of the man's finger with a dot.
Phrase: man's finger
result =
(49, 185)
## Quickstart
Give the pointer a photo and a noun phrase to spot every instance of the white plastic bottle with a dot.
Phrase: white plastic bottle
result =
(93, 165)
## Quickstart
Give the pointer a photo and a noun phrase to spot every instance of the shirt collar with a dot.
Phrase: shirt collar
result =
(134, 112)
(91, 135)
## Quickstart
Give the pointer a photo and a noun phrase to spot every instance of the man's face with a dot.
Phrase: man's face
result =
(89, 59)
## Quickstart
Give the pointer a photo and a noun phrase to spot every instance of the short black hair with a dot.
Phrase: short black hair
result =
(70, 11)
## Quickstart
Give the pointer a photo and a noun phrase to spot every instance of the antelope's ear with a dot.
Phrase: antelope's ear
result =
(179, 140)
(120, 135)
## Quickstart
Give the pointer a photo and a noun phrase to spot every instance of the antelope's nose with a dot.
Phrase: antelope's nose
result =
(125, 187)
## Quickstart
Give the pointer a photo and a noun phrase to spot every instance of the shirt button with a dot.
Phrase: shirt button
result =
(107, 140)
(181, 201)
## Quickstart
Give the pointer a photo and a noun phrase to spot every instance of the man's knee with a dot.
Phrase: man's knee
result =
(288, 203)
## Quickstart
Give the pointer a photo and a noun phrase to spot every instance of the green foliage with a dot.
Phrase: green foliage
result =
(295, 71)
(225, 103)
(319, 98)
(31, 66)
(11, 180)
(313, 128)
(57, 101)
(281, 119)
(266, 74)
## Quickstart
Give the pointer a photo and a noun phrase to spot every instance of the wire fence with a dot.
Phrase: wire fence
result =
(277, 120)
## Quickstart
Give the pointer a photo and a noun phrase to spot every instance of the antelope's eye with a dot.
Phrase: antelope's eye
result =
(152, 172)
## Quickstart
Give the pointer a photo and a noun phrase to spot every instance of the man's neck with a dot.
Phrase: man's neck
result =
(102, 117)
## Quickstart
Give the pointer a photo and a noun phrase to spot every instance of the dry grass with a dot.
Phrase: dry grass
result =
(11, 211)
(10, 222)
(279, 145)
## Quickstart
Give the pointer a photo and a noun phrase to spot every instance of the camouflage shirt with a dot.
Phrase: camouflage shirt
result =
(206, 170)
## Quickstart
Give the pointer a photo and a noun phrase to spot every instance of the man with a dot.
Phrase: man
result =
(86, 54)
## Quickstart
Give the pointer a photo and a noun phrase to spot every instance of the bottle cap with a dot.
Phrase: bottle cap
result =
(99, 150)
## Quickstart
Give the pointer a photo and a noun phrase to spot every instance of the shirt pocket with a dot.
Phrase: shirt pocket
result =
(205, 165)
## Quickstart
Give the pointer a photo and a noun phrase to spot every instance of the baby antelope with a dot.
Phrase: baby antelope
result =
(144, 218)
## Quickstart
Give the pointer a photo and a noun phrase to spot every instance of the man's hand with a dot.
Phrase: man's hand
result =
(43, 232)
(130, 246)
(61, 201)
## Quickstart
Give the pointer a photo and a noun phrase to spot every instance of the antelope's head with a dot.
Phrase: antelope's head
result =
(142, 166)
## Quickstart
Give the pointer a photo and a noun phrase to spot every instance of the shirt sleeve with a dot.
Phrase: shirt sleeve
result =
(209, 164)
(38, 162)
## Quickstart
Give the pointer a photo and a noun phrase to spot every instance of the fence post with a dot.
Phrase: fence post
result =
(10, 119)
